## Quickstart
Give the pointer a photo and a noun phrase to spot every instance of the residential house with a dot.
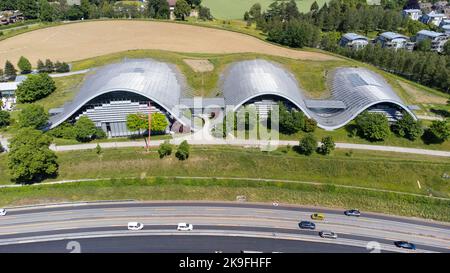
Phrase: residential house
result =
(414, 14)
(437, 39)
(433, 18)
(353, 41)
(394, 40)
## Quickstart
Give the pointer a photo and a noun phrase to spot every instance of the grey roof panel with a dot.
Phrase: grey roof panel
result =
(158, 81)
(353, 91)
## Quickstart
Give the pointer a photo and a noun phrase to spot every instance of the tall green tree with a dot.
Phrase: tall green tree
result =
(5, 118)
(10, 71)
(182, 9)
(308, 144)
(408, 127)
(30, 159)
(85, 130)
(29, 8)
(373, 126)
(327, 145)
(158, 9)
(440, 130)
(34, 116)
(35, 87)
(24, 65)
(47, 12)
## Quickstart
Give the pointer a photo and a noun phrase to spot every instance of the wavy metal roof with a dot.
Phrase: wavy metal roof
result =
(353, 91)
(249, 79)
(158, 81)
(358, 89)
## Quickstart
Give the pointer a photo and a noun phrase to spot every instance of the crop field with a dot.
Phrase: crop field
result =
(234, 9)
(78, 41)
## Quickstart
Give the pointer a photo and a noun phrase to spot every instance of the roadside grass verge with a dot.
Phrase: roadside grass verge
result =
(227, 190)
(356, 168)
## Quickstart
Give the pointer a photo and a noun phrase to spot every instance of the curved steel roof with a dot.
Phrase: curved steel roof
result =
(249, 79)
(353, 90)
(358, 89)
(158, 81)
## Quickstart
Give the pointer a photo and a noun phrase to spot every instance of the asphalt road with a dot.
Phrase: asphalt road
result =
(43, 227)
(180, 244)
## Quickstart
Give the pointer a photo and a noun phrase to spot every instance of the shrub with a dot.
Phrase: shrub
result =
(183, 151)
(85, 129)
(165, 149)
(308, 144)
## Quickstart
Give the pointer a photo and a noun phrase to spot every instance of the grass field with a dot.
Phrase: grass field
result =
(227, 190)
(234, 9)
(376, 170)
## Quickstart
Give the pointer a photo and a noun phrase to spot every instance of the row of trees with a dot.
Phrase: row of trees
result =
(427, 68)
(9, 73)
(50, 11)
(308, 145)
(376, 127)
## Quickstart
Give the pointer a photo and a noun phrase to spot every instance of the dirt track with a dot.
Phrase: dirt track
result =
(84, 40)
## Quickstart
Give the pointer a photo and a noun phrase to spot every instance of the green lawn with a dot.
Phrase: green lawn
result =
(235, 9)
(388, 171)
(227, 190)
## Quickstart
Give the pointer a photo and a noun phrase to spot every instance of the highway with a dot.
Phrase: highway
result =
(218, 226)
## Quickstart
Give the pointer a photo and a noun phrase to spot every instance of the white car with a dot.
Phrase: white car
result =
(328, 234)
(135, 226)
(185, 227)
(2, 212)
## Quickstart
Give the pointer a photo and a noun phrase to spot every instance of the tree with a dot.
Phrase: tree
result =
(158, 9)
(182, 151)
(34, 116)
(290, 122)
(30, 159)
(314, 7)
(29, 8)
(40, 66)
(310, 125)
(85, 130)
(440, 130)
(5, 118)
(373, 126)
(255, 11)
(85, 7)
(24, 65)
(165, 149)
(10, 71)
(204, 13)
(182, 9)
(447, 48)
(194, 3)
(424, 45)
(139, 122)
(35, 87)
(47, 12)
(327, 145)
(308, 144)
(49, 67)
(74, 13)
(62, 67)
(407, 127)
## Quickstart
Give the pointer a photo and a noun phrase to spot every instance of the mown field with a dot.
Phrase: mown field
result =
(234, 9)
(227, 190)
(388, 171)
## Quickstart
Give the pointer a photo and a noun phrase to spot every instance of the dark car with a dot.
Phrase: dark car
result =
(404, 244)
(307, 225)
(352, 212)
